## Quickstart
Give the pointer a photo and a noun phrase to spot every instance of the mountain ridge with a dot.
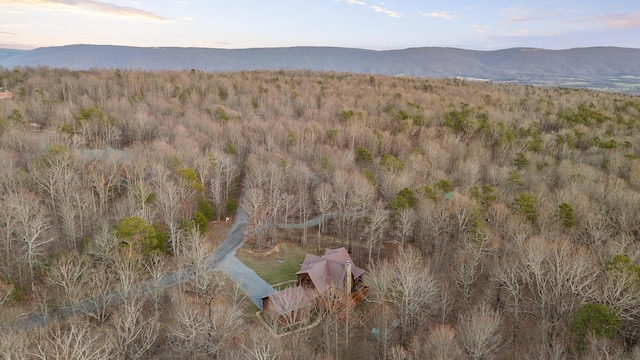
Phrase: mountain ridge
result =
(604, 67)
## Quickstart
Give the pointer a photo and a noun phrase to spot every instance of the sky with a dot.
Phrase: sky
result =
(367, 24)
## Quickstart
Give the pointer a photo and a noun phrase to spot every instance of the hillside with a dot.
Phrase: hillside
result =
(492, 221)
(606, 68)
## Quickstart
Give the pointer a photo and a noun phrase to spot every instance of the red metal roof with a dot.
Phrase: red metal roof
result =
(328, 270)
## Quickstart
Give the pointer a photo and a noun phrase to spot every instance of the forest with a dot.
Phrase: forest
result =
(493, 221)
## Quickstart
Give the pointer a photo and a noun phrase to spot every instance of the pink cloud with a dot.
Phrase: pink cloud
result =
(621, 20)
(519, 14)
(93, 5)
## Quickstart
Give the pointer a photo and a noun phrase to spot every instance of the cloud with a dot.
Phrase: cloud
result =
(10, 45)
(375, 8)
(91, 5)
(13, 40)
(520, 32)
(519, 14)
(439, 15)
(215, 43)
(621, 20)
(481, 28)
(391, 13)
(352, 2)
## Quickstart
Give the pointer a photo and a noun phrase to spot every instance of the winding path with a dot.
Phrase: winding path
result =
(223, 259)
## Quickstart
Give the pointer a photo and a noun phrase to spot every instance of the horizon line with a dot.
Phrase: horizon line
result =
(318, 47)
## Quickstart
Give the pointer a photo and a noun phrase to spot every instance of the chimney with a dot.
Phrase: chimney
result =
(348, 278)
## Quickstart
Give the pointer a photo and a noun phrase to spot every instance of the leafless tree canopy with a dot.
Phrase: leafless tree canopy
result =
(488, 217)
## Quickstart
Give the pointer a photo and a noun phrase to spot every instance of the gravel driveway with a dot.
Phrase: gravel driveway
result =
(250, 283)
(223, 259)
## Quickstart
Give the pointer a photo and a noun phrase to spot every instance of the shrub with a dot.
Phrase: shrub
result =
(405, 199)
(565, 213)
(443, 185)
(594, 319)
(363, 156)
(200, 222)
(526, 204)
(483, 195)
(391, 163)
(520, 161)
(136, 234)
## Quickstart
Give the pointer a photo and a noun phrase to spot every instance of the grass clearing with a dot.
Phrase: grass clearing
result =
(267, 265)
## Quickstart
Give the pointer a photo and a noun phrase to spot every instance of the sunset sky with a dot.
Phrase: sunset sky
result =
(369, 24)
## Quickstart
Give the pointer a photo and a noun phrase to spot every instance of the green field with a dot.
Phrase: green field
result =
(267, 265)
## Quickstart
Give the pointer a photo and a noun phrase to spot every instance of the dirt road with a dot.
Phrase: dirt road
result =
(223, 259)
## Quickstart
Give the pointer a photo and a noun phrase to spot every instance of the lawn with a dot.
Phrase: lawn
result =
(275, 265)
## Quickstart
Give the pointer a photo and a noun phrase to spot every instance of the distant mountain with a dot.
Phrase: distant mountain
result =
(4, 53)
(605, 68)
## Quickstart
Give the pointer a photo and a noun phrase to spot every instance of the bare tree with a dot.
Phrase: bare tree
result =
(441, 344)
(254, 203)
(157, 267)
(276, 196)
(132, 332)
(406, 220)
(261, 346)
(16, 345)
(397, 352)
(140, 197)
(461, 217)
(194, 255)
(67, 274)
(324, 203)
(467, 267)
(552, 349)
(204, 283)
(55, 177)
(225, 324)
(72, 340)
(31, 225)
(363, 196)
(230, 171)
(619, 291)
(376, 224)
(447, 303)
(302, 186)
(9, 227)
(104, 244)
(405, 282)
(432, 234)
(128, 269)
(101, 282)
(560, 277)
(479, 332)
(206, 333)
(189, 335)
(338, 320)
(602, 348)
(342, 204)
(510, 276)
(102, 178)
(416, 289)
(169, 199)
